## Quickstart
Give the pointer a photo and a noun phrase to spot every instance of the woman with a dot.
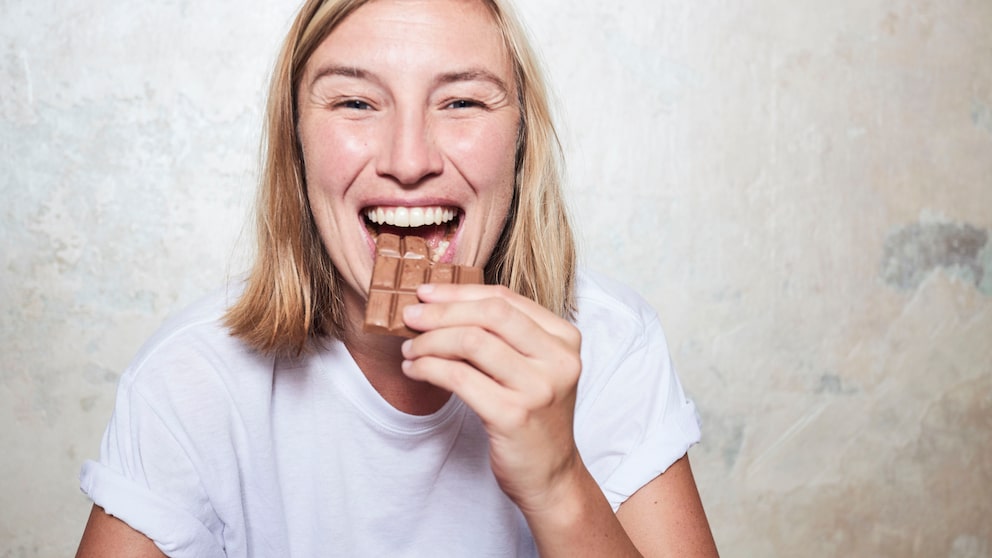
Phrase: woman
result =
(274, 426)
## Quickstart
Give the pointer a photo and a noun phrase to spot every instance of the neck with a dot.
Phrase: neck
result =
(380, 358)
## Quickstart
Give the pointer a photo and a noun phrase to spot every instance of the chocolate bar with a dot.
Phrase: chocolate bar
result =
(402, 265)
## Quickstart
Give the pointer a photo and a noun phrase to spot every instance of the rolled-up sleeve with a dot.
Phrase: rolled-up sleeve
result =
(147, 478)
(633, 420)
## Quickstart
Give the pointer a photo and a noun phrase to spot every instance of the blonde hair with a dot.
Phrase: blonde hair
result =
(291, 295)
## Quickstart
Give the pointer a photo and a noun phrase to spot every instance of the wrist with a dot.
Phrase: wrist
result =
(575, 519)
(567, 501)
(562, 489)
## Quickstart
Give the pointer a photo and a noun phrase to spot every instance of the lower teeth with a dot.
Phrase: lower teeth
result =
(439, 250)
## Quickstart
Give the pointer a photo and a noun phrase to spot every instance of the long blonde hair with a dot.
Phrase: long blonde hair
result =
(292, 295)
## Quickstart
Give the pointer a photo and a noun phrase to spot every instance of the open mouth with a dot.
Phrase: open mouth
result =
(437, 225)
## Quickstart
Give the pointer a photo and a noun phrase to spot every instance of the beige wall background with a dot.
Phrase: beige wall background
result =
(803, 189)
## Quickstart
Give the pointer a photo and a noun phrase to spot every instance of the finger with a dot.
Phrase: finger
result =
(499, 315)
(451, 293)
(480, 348)
(480, 392)
(494, 315)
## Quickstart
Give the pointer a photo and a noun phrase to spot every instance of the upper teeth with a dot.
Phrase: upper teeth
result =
(409, 216)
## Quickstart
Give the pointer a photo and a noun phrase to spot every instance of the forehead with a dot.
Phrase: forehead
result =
(417, 34)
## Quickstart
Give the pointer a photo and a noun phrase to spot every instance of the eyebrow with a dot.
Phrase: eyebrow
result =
(472, 74)
(343, 71)
(476, 74)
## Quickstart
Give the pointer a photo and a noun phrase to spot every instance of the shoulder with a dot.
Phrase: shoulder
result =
(193, 357)
(197, 330)
(611, 311)
(623, 343)
(199, 316)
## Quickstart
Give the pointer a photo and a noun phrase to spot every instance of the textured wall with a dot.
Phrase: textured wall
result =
(814, 177)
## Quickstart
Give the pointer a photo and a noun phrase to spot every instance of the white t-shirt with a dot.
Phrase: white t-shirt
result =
(215, 450)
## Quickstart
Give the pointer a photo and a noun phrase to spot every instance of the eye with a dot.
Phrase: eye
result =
(355, 104)
(463, 104)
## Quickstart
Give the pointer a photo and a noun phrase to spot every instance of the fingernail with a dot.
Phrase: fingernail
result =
(425, 289)
(413, 310)
(405, 348)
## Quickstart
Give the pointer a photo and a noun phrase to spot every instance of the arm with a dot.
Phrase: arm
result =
(580, 523)
(665, 517)
(106, 536)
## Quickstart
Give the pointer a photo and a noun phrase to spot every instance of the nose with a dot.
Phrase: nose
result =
(410, 152)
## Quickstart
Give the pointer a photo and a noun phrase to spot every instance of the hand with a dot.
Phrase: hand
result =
(516, 364)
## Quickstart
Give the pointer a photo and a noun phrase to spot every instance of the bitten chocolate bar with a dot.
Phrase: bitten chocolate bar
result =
(401, 265)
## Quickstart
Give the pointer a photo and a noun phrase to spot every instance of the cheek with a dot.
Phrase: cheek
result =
(486, 156)
(332, 158)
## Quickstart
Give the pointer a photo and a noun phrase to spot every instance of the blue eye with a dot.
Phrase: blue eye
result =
(356, 104)
(462, 103)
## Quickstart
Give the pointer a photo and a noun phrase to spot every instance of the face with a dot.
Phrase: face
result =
(408, 119)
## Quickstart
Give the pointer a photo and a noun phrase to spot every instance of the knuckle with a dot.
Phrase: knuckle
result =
(570, 365)
(563, 371)
(496, 311)
(456, 376)
(543, 395)
(472, 340)
(572, 336)
(504, 292)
